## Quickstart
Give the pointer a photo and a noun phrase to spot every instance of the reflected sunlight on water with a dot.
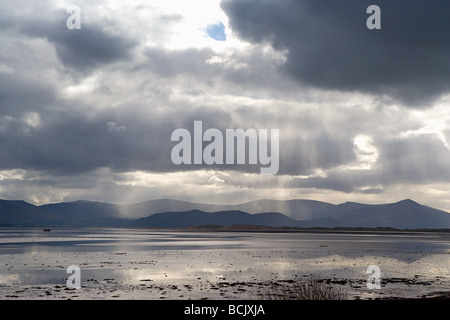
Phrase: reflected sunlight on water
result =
(138, 257)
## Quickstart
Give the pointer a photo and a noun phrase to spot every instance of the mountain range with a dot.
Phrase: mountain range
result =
(166, 213)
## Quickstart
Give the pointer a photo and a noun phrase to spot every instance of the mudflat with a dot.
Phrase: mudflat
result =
(174, 264)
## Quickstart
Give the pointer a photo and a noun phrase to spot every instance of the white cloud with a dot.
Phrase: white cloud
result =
(102, 131)
(433, 122)
(366, 153)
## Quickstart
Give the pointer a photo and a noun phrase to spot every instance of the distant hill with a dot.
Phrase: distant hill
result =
(85, 213)
(21, 213)
(298, 209)
(75, 214)
(221, 218)
(405, 214)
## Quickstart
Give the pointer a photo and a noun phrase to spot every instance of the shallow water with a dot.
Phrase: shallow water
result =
(125, 260)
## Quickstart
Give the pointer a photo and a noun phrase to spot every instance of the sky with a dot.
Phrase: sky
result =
(87, 113)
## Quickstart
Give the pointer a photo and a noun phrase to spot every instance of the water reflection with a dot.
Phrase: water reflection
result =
(33, 257)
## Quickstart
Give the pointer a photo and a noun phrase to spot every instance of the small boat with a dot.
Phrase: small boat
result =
(47, 230)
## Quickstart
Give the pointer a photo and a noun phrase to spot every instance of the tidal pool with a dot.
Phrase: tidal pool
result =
(155, 264)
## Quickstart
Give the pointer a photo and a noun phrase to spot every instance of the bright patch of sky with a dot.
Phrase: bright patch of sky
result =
(217, 32)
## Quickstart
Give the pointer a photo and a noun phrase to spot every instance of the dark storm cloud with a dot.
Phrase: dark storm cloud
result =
(18, 95)
(46, 128)
(417, 159)
(67, 142)
(298, 156)
(329, 45)
(80, 49)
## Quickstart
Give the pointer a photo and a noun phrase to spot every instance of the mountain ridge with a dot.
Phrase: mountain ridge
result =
(404, 214)
(180, 219)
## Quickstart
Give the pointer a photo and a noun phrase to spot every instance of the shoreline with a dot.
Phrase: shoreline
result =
(244, 229)
(112, 289)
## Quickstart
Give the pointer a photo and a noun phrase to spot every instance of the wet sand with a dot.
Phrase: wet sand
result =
(399, 288)
(143, 264)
